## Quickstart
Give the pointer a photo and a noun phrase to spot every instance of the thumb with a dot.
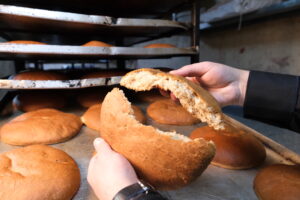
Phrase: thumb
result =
(101, 146)
(197, 69)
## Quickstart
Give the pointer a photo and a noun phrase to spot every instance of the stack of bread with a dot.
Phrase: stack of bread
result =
(165, 159)
(37, 170)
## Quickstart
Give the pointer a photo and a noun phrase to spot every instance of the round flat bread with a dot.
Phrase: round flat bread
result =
(236, 149)
(105, 74)
(166, 160)
(96, 43)
(91, 118)
(44, 126)
(38, 172)
(34, 100)
(150, 96)
(159, 45)
(168, 112)
(38, 75)
(278, 182)
(23, 42)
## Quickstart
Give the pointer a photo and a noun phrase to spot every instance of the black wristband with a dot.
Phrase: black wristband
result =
(135, 191)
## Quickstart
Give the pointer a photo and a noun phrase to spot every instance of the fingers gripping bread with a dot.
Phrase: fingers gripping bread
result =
(192, 97)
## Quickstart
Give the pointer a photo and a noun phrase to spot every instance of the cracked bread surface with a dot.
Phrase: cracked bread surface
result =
(38, 172)
(166, 160)
(43, 126)
(192, 97)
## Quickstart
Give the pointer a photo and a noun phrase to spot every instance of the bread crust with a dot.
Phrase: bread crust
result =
(165, 160)
(149, 96)
(168, 112)
(278, 182)
(44, 126)
(39, 75)
(160, 45)
(95, 43)
(38, 172)
(91, 118)
(192, 97)
(23, 42)
(104, 74)
(34, 100)
(235, 149)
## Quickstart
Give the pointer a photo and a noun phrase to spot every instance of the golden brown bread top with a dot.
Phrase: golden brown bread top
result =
(91, 117)
(168, 112)
(159, 45)
(192, 97)
(96, 43)
(39, 75)
(104, 74)
(164, 159)
(34, 100)
(23, 42)
(38, 172)
(278, 182)
(44, 126)
(235, 149)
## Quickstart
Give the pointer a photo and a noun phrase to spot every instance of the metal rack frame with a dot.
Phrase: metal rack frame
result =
(191, 5)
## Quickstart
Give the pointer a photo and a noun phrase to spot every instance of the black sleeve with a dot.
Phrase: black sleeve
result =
(273, 98)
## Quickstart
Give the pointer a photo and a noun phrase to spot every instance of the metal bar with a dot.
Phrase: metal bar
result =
(121, 63)
(67, 52)
(168, 34)
(195, 15)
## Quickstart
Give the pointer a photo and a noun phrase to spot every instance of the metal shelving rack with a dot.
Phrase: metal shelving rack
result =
(111, 20)
(19, 22)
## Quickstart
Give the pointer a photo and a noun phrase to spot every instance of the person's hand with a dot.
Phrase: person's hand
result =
(109, 171)
(227, 84)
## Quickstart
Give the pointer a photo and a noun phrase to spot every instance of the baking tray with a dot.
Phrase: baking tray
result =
(39, 20)
(59, 84)
(214, 184)
(65, 52)
(108, 7)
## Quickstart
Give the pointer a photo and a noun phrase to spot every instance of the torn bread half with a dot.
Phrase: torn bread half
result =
(192, 97)
(166, 160)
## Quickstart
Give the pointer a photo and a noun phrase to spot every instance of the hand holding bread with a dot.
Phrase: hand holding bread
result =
(226, 84)
(109, 172)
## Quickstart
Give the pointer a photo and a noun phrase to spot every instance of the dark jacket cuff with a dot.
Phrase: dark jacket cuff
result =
(271, 97)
